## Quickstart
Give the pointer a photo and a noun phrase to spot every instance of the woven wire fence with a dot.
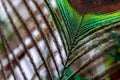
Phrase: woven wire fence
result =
(36, 48)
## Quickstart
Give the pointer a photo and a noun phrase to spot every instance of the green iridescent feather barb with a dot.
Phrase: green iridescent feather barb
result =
(75, 40)
(80, 24)
(90, 22)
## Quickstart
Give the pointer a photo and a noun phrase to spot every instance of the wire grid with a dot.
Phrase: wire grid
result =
(56, 54)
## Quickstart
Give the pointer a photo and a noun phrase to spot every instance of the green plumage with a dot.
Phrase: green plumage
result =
(77, 27)
(72, 18)
(76, 77)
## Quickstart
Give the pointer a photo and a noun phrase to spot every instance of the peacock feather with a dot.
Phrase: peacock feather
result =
(78, 25)
(63, 40)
